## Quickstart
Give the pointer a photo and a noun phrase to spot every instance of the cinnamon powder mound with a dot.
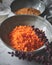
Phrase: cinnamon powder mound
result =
(24, 38)
(29, 11)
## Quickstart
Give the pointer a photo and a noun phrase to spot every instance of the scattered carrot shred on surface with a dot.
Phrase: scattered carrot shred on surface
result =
(24, 38)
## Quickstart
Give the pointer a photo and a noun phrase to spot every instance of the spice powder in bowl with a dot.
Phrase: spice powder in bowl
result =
(26, 38)
(28, 11)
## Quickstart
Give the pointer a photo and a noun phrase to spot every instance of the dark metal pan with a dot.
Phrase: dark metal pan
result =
(18, 4)
(37, 21)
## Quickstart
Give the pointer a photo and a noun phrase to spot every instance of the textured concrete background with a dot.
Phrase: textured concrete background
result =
(8, 2)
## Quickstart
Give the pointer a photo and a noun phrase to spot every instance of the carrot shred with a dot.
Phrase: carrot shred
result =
(24, 38)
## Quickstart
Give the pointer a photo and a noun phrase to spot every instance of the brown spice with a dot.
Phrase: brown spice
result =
(29, 11)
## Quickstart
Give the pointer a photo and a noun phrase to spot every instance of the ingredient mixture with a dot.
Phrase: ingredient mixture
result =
(29, 11)
(24, 38)
(43, 57)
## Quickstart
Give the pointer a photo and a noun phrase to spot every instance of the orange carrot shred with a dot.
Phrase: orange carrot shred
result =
(24, 38)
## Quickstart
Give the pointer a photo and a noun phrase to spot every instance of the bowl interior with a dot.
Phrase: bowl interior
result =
(11, 22)
(18, 4)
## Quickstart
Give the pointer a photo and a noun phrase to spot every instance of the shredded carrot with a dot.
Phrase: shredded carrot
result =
(24, 38)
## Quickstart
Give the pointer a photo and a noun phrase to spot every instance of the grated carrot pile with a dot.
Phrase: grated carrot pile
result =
(24, 38)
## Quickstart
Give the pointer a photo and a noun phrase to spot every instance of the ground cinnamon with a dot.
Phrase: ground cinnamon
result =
(29, 11)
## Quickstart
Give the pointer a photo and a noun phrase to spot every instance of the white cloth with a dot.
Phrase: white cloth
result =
(7, 2)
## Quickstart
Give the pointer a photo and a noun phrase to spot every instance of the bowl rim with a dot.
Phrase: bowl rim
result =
(42, 3)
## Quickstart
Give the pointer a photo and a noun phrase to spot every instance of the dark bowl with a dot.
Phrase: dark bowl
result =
(7, 26)
(18, 4)
(37, 21)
